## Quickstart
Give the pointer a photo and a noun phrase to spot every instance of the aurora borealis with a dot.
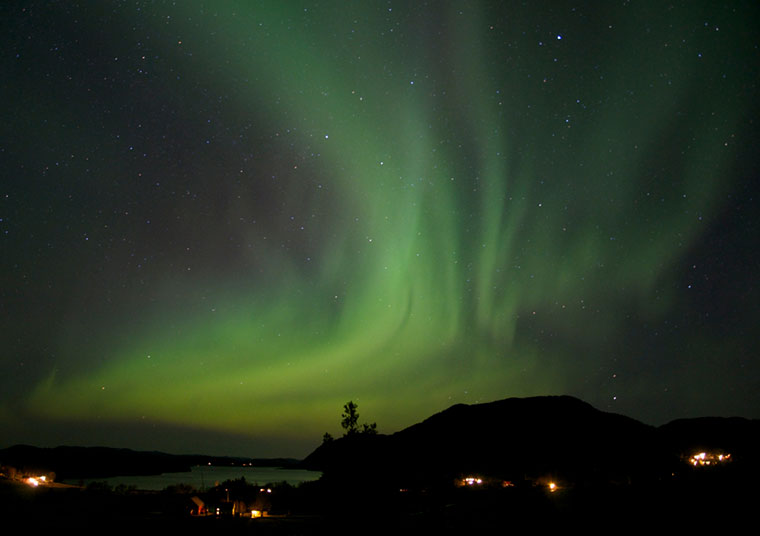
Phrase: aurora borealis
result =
(220, 221)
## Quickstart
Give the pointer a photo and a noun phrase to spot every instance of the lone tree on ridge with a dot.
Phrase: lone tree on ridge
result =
(350, 421)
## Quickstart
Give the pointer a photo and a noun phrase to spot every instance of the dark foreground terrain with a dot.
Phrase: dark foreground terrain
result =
(690, 500)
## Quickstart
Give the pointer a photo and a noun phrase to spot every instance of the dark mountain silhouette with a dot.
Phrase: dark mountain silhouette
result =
(736, 435)
(519, 439)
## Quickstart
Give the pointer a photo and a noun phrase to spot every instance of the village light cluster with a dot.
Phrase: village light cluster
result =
(709, 458)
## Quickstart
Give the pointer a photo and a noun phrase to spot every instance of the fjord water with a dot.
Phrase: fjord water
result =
(203, 477)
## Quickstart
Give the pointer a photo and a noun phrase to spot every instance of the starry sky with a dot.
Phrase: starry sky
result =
(220, 221)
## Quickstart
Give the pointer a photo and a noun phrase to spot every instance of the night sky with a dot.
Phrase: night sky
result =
(220, 221)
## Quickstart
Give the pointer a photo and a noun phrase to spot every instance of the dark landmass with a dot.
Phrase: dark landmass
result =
(732, 434)
(103, 462)
(530, 438)
(543, 463)
(510, 439)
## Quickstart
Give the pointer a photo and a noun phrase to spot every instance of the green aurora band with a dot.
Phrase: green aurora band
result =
(446, 209)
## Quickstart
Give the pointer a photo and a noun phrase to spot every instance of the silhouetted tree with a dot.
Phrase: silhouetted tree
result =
(350, 419)
(370, 429)
(350, 422)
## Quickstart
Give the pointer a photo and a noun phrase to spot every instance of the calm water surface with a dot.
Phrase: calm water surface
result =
(203, 477)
